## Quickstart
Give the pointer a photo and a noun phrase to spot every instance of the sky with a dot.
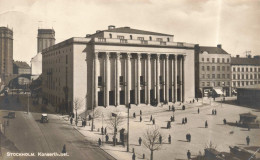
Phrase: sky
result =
(233, 23)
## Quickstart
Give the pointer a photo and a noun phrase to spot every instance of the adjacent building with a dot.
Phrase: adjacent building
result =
(213, 71)
(249, 95)
(6, 53)
(119, 66)
(22, 68)
(45, 39)
(245, 71)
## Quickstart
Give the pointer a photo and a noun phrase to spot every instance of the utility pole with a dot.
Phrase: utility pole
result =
(28, 104)
(114, 115)
(127, 147)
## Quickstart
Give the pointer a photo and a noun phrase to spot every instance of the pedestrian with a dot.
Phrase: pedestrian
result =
(186, 120)
(247, 140)
(224, 121)
(173, 119)
(212, 111)
(183, 107)
(198, 111)
(183, 121)
(193, 100)
(102, 130)
(140, 141)
(169, 107)
(105, 130)
(76, 122)
(215, 112)
(160, 139)
(141, 119)
(133, 156)
(153, 121)
(82, 123)
(189, 154)
(140, 112)
(206, 124)
(134, 114)
(107, 138)
(189, 136)
(151, 118)
(71, 120)
(197, 99)
(173, 108)
(99, 142)
(64, 149)
(169, 139)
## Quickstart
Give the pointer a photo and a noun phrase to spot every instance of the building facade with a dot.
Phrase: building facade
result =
(245, 71)
(213, 71)
(64, 74)
(22, 68)
(45, 39)
(122, 66)
(6, 52)
(249, 95)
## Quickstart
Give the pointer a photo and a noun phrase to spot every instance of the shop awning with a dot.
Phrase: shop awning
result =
(218, 91)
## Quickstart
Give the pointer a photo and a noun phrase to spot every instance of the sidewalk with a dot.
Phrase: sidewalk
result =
(217, 133)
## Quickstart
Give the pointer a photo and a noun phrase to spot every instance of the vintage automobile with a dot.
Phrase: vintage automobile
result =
(44, 118)
(11, 115)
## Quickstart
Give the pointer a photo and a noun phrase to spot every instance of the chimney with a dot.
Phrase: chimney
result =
(237, 56)
(111, 27)
(219, 46)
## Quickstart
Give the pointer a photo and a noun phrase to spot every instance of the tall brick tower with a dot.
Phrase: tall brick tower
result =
(45, 39)
(6, 52)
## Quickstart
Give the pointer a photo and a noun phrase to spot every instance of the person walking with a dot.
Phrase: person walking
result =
(105, 130)
(169, 139)
(247, 140)
(140, 141)
(160, 139)
(215, 112)
(154, 121)
(133, 156)
(188, 155)
(99, 142)
(206, 124)
(107, 138)
(151, 118)
(186, 120)
(141, 119)
(140, 112)
(183, 121)
(169, 107)
(134, 114)
(198, 111)
(224, 121)
(64, 149)
(71, 120)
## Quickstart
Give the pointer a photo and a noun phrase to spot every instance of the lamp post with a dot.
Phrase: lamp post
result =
(114, 115)
(127, 147)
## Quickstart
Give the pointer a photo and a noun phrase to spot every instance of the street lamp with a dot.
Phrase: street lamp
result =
(127, 147)
(114, 115)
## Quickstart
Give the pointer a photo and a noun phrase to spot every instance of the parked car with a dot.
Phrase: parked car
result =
(11, 115)
(44, 118)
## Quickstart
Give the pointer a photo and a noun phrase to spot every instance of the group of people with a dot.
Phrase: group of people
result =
(188, 137)
(214, 112)
(173, 108)
(184, 120)
(103, 131)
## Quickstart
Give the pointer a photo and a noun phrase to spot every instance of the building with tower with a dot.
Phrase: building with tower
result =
(119, 66)
(6, 53)
(45, 39)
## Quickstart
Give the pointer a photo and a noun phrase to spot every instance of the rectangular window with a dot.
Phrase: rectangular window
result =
(218, 60)
(234, 76)
(223, 75)
(202, 68)
(238, 84)
(234, 69)
(242, 69)
(218, 75)
(218, 83)
(202, 76)
(213, 68)
(234, 84)
(202, 59)
(203, 83)
(223, 68)
(228, 60)
(223, 60)
(213, 75)
(255, 69)
(207, 59)
(228, 76)
(251, 76)
(208, 83)
(161, 80)
(99, 81)
(159, 39)
(141, 80)
(218, 68)
(120, 37)
(213, 60)
(251, 69)
(208, 75)
(238, 76)
(243, 77)
(247, 76)
(208, 68)
(238, 69)
(228, 68)
(246, 69)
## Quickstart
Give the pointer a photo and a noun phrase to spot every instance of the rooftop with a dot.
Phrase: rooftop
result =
(244, 61)
(251, 87)
(212, 50)
(21, 64)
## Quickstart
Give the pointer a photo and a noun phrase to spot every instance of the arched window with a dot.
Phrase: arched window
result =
(131, 37)
(168, 39)
(110, 35)
(150, 38)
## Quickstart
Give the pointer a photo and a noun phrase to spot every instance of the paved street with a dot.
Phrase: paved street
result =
(31, 136)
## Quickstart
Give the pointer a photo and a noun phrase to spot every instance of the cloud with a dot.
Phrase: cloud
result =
(234, 23)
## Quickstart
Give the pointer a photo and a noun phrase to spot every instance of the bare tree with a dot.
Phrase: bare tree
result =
(151, 140)
(95, 114)
(115, 120)
(77, 104)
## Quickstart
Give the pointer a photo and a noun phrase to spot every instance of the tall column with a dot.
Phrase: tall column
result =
(138, 79)
(163, 78)
(107, 79)
(128, 78)
(95, 87)
(175, 74)
(167, 78)
(148, 78)
(158, 78)
(181, 80)
(173, 79)
(117, 79)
